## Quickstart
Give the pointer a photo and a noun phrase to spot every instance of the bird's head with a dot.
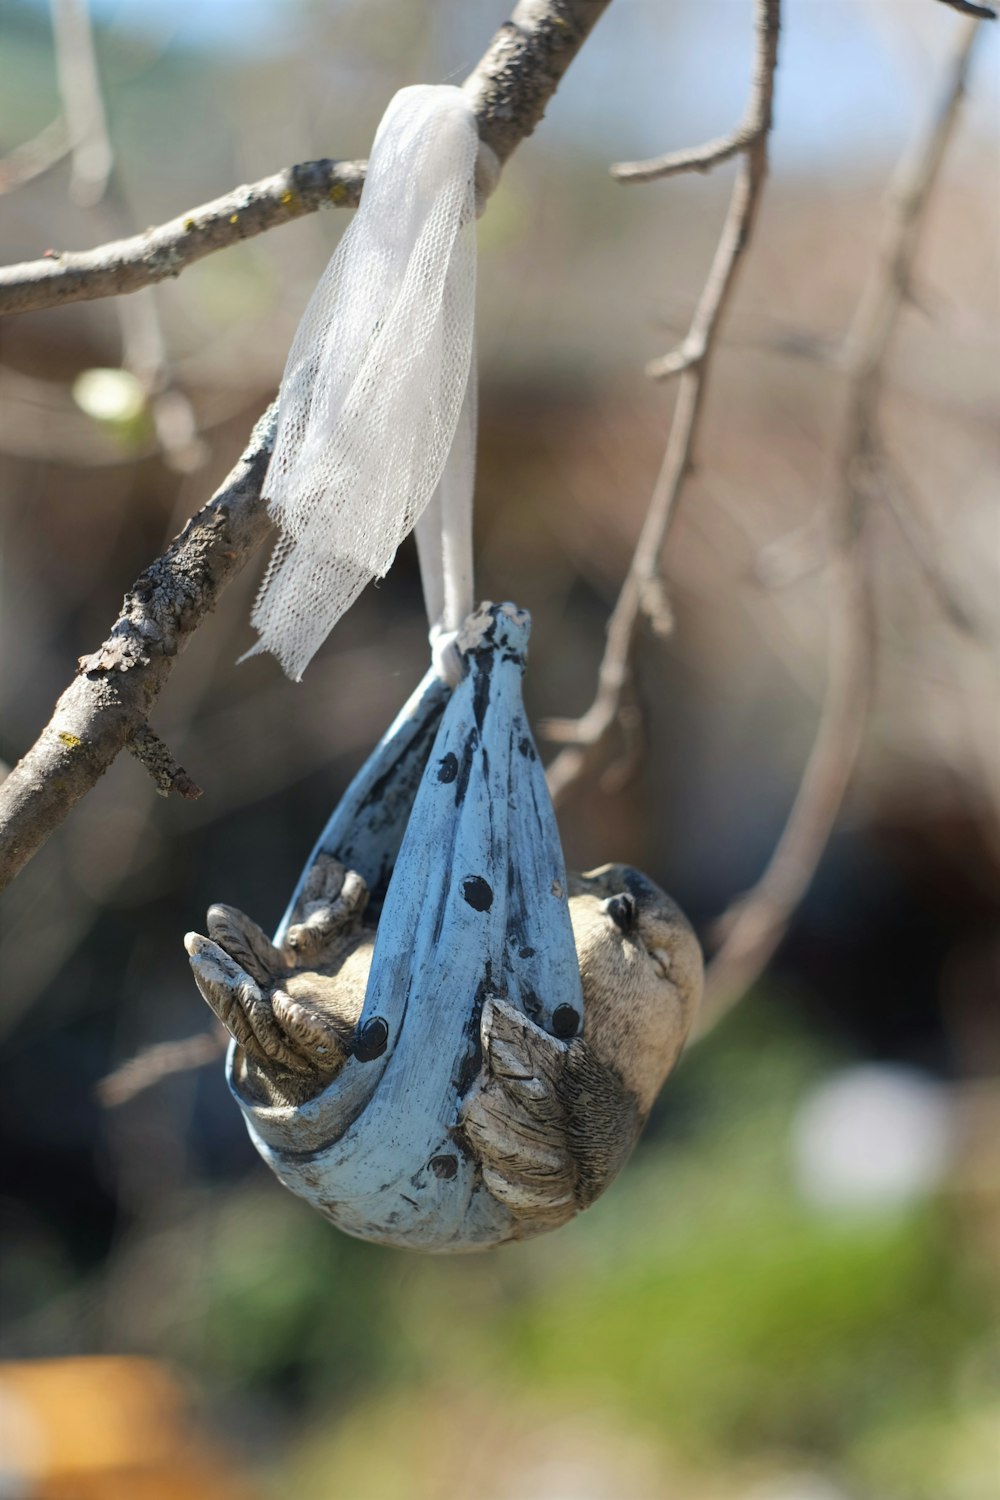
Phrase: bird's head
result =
(641, 969)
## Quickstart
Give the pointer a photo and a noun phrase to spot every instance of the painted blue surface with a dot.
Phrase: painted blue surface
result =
(477, 906)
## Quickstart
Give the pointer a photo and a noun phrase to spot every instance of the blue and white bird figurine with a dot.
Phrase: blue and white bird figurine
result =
(449, 1044)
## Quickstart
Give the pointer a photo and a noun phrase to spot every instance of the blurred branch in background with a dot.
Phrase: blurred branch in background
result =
(754, 126)
(510, 88)
(160, 1061)
(753, 927)
(643, 595)
(24, 163)
(109, 701)
(95, 185)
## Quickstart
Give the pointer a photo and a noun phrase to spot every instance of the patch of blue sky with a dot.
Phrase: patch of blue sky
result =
(660, 74)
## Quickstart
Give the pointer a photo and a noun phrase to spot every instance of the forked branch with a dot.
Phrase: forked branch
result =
(755, 124)
(510, 89)
(106, 706)
(642, 594)
(753, 926)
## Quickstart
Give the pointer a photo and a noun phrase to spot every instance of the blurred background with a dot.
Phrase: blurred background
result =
(792, 1292)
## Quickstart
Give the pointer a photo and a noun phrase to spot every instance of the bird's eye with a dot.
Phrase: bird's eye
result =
(623, 911)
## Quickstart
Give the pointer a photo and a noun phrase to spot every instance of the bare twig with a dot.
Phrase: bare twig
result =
(510, 89)
(642, 592)
(150, 751)
(158, 1062)
(95, 184)
(44, 151)
(694, 159)
(156, 254)
(116, 688)
(755, 124)
(754, 926)
(82, 102)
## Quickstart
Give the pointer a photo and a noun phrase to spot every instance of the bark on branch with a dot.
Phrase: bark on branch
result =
(108, 703)
(156, 254)
(509, 89)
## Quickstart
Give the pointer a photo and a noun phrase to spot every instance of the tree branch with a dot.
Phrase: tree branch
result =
(96, 186)
(156, 254)
(756, 123)
(509, 89)
(754, 926)
(30, 159)
(642, 594)
(158, 1062)
(109, 701)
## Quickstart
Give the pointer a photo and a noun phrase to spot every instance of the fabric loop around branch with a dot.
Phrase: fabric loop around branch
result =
(376, 382)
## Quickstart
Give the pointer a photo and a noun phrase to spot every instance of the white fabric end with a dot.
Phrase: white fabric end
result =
(377, 375)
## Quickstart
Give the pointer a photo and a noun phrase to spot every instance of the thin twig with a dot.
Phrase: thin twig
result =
(509, 88)
(693, 159)
(82, 102)
(150, 751)
(157, 254)
(755, 124)
(158, 1062)
(95, 185)
(642, 591)
(24, 163)
(116, 688)
(754, 925)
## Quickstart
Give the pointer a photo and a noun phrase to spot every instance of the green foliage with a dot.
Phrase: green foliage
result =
(700, 1304)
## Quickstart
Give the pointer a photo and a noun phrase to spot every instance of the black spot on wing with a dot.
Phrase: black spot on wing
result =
(477, 892)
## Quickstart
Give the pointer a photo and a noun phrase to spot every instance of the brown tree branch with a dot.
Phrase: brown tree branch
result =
(754, 926)
(510, 89)
(642, 594)
(30, 159)
(110, 699)
(158, 1062)
(82, 99)
(156, 254)
(96, 185)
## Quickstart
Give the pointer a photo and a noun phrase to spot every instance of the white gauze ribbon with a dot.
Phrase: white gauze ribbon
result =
(376, 382)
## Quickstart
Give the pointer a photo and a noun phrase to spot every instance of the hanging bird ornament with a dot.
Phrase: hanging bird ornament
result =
(449, 1043)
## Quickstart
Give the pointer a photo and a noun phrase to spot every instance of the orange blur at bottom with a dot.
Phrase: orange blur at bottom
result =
(104, 1428)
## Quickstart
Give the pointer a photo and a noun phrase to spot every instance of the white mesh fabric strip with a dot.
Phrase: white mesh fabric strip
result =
(376, 377)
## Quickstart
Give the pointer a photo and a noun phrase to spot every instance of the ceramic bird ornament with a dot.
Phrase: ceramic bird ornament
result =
(449, 1044)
